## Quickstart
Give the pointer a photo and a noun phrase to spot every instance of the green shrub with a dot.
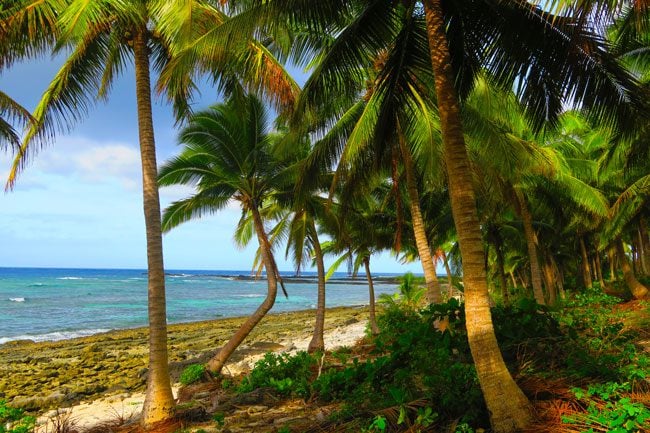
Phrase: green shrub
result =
(192, 373)
(287, 374)
(14, 420)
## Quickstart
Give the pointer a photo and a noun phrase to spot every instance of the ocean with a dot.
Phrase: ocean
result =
(44, 304)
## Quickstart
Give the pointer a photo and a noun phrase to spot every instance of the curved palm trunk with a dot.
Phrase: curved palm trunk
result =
(645, 241)
(317, 342)
(510, 410)
(419, 231)
(371, 291)
(638, 290)
(642, 253)
(586, 270)
(531, 243)
(159, 400)
(217, 362)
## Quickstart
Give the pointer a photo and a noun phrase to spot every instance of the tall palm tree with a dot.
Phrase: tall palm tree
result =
(12, 114)
(101, 37)
(228, 156)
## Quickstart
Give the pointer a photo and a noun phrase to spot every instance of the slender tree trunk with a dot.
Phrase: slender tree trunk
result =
(317, 342)
(586, 271)
(531, 243)
(599, 269)
(645, 241)
(217, 362)
(159, 400)
(549, 280)
(514, 280)
(560, 276)
(450, 281)
(419, 231)
(642, 253)
(510, 410)
(638, 290)
(611, 254)
(498, 248)
(371, 292)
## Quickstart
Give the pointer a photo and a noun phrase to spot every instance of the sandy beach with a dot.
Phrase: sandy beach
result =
(102, 376)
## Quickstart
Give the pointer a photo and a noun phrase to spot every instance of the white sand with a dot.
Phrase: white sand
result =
(125, 406)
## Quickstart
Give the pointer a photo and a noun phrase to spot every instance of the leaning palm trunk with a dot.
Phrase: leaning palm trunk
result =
(638, 290)
(217, 362)
(642, 254)
(450, 280)
(419, 232)
(509, 409)
(645, 241)
(531, 243)
(159, 400)
(371, 292)
(317, 342)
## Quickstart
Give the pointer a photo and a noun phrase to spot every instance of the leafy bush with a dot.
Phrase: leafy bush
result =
(192, 373)
(608, 409)
(287, 374)
(14, 420)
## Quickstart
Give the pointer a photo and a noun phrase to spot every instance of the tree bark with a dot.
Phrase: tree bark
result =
(498, 248)
(317, 342)
(550, 280)
(638, 290)
(531, 243)
(509, 409)
(419, 231)
(560, 276)
(159, 400)
(586, 271)
(217, 362)
(599, 269)
(371, 292)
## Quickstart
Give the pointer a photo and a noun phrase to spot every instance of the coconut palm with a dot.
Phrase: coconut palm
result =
(11, 114)
(228, 156)
(100, 37)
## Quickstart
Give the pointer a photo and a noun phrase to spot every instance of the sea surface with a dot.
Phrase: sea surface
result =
(43, 304)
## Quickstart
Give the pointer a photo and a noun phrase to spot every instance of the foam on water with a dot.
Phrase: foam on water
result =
(17, 299)
(54, 336)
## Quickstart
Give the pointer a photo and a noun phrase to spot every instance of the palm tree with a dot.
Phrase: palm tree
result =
(11, 113)
(100, 37)
(228, 156)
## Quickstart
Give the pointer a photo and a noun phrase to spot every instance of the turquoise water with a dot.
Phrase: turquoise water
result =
(53, 304)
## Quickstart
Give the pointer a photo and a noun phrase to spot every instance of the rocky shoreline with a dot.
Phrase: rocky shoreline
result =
(46, 375)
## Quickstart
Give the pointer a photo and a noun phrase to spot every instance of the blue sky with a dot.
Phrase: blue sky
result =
(79, 204)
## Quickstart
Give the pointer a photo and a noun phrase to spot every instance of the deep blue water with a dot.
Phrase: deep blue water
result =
(53, 304)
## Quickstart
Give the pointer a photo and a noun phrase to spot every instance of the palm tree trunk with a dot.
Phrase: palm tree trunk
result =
(645, 240)
(159, 400)
(419, 231)
(217, 362)
(317, 342)
(549, 280)
(513, 279)
(498, 249)
(586, 271)
(509, 409)
(599, 268)
(642, 254)
(371, 292)
(450, 281)
(531, 243)
(611, 254)
(638, 290)
(560, 276)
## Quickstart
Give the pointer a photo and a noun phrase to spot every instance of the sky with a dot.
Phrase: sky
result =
(79, 203)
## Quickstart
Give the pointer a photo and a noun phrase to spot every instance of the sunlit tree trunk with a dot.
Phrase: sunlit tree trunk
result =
(642, 254)
(584, 265)
(531, 244)
(419, 231)
(638, 290)
(217, 362)
(159, 400)
(599, 268)
(550, 280)
(510, 410)
(450, 281)
(371, 292)
(317, 342)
